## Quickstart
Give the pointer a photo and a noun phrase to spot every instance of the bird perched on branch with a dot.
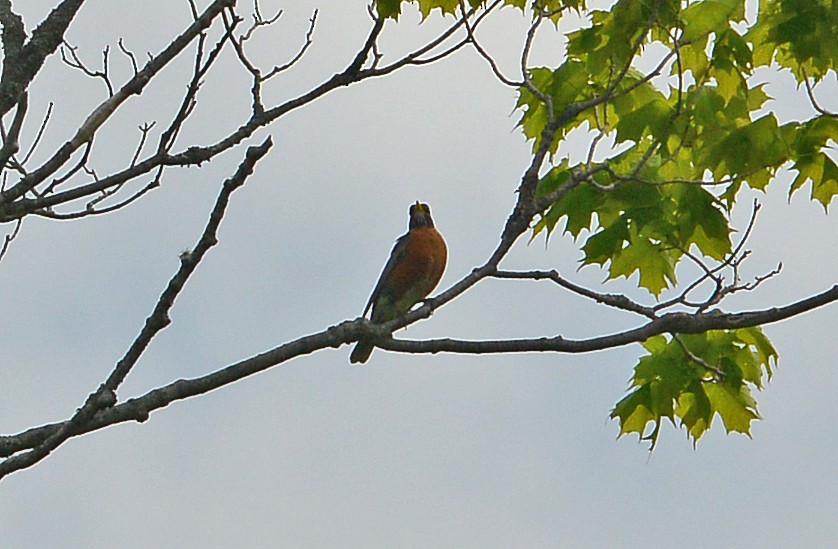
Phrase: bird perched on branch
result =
(412, 272)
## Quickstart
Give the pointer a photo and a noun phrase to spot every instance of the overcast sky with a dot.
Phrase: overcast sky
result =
(411, 451)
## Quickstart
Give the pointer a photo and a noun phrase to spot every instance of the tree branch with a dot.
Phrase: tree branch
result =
(101, 114)
(138, 409)
(105, 396)
(618, 301)
(22, 62)
(675, 323)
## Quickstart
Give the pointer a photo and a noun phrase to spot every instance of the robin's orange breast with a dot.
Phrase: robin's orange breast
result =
(422, 265)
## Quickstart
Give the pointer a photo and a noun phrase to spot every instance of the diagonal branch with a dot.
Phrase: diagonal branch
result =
(20, 68)
(14, 205)
(618, 301)
(103, 112)
(105, 396)
(810, 91)
(11, 140)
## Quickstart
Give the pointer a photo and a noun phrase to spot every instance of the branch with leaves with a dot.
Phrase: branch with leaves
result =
(672, 149)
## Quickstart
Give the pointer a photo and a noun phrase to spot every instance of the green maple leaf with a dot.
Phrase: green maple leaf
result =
(702, 18)
(827, 187)
(735, 406)
(389, 8)
(700, 221)
(576, 207)
(653, 116)
(764, 354)
(823, 174)
(634, 412)
(656, 267)
(606, 243)
(695, 410)
(670, 384)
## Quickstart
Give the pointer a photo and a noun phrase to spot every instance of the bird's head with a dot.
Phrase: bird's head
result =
(420, 216)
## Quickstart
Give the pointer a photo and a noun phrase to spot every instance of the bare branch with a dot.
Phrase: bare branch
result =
(14, 33)
(417, 57)
(481, 51)
(197, 155)
(144, 129)
(7, 239)
(38, 137)
(89, 209)
(525, 72)
(201, 67)
(308, 41)
(193, 8)
(612, 300)
(130, 55)
(259, 21)
(80, 165)
(105, 396)
(22, 62)
(734, 257)
(11, 140)
(810, 91)
(138, 409)
(75, 62)
(103, 112)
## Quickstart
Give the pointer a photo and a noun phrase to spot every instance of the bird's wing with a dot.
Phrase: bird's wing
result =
(395, 256)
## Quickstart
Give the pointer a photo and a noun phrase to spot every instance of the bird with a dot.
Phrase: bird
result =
(414, 269)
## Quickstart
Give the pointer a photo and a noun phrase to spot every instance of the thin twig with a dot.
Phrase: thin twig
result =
(103, 112)
(309, 40)
(80, 165)
(40, 134)
(612, 300)
(129, 54)
(718, 374)
(481, 51)
(75, 62)
(7, 239)
(810, 91)
(11, 140)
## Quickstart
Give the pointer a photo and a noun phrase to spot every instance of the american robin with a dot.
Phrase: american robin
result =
(412, 272)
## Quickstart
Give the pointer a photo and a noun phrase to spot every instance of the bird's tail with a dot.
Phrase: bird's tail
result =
(361, 352)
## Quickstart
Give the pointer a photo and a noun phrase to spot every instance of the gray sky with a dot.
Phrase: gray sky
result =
(422, 451)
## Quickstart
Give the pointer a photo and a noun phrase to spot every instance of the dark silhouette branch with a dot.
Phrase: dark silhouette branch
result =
(104, 111)
(673, 323)
(73, 60)
(105, 396)
(11, 143)
(14, 205)
(810, 91)
(618, 301)
(139, 408)
(21, 62)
